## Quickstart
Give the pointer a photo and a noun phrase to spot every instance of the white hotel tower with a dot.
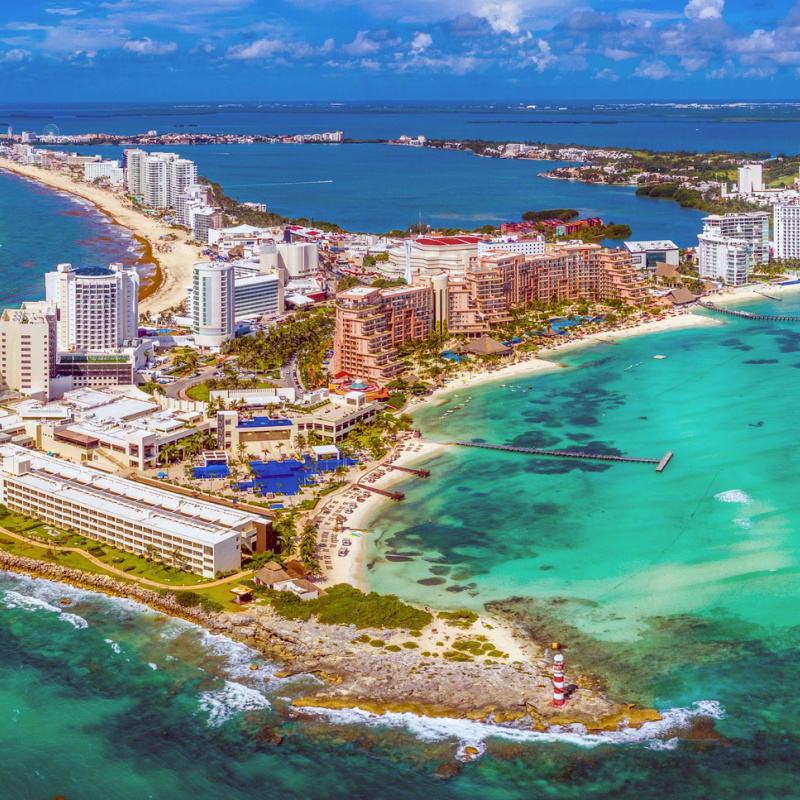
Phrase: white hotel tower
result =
(213, 303)
(786, 230)
(98, 307)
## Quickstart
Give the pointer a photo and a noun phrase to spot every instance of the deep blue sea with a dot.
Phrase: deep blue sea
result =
(377, 188)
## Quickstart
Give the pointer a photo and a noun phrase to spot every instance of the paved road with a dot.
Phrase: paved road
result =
(174, 389)
(97, 562)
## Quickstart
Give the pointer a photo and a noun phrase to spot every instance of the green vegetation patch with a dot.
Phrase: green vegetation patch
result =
(344, 605)
(459, 619)
(473, 647)
(454, 655)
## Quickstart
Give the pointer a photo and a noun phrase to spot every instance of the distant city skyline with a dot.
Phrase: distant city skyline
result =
(522, 50)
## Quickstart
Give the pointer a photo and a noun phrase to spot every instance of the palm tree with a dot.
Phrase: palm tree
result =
(167, 452)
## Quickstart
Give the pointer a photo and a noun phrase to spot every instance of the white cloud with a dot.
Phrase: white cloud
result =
(370, 64)
(148, 47)
(504, 17)
(759, 41)
(618, 54)
(14, 56)
(694, 63)
(420, 42)
(455, 64)
(654, 70)
(704, 9)
(606, 75)
(64, 12)
(362, 45)
(261, 48)
(544, 58)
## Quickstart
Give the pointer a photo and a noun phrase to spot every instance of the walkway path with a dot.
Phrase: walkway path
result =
(97, 562)
(748, 314)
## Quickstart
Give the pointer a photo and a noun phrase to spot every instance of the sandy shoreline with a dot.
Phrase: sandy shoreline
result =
(352, 568)
(534, 364)
(751, 293)
(172, 260)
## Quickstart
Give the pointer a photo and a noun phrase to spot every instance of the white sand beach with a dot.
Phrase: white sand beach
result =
(750, 292)
(532, 364)
(174, 258)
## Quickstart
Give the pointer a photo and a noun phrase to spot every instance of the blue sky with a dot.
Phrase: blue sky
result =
(382, 49)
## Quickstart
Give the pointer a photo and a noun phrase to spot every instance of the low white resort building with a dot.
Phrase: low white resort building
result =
(198, 536)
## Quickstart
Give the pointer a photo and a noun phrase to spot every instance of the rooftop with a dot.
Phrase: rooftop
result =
(171, 513)
(656, 244)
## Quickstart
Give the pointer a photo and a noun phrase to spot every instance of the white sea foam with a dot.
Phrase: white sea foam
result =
(734, 496)
(663, 744)
(114, 646)
(470, 733)
(743, 523)
(12, 599)
(239, 658)
(77, 622)
(234, 698)
(152, 665)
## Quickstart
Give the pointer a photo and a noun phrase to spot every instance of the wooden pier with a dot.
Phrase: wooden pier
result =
(391, 495)
(421, 473)
(747, 314)
(661, 463)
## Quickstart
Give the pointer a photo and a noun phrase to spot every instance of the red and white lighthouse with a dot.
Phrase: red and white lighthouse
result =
(558, 680)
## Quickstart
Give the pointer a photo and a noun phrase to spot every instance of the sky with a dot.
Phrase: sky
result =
(461, 50)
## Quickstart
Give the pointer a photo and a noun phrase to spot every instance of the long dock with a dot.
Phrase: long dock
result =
(421, 473)
(747, 314)
(537, 451)
(391, 495)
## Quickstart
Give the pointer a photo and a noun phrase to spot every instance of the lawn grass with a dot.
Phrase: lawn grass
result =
(201, 392)
(133, 565)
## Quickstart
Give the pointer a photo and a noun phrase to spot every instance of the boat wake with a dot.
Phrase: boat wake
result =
(286, 183)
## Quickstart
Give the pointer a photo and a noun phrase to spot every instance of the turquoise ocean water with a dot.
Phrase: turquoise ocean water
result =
(677, 590)
(40, 228)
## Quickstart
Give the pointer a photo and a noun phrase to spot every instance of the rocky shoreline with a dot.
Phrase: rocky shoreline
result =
(358, 671)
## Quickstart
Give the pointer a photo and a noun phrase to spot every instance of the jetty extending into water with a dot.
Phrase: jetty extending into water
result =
(391, 495)
(747, 314)
(420, 473)
(660, 463)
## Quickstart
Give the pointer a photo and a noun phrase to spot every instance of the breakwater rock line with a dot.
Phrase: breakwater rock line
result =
(357, 674)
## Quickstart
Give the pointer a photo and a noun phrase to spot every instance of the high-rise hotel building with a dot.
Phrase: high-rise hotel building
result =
(28, 349)
(372, 323)
(213, 298)
(98, 307)
(786, 219)
(157, 177)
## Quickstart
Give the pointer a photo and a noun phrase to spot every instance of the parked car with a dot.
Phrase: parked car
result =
(346, 543)
(343, 552)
